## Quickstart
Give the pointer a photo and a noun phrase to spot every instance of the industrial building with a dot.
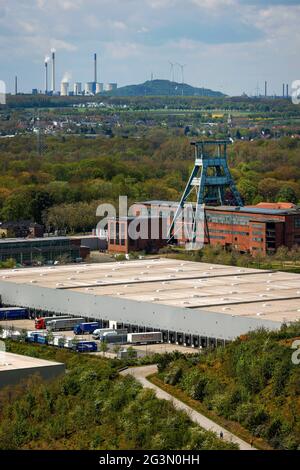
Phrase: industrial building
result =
(26, 250)
(249, 229)
(195, 304)
(218, 206)
(15, 368)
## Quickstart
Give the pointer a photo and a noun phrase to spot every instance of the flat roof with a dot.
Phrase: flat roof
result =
(200, 286)
(10, 361)
(35, 240)
(237, 209)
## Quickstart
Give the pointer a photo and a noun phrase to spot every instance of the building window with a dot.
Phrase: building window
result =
(297, 222)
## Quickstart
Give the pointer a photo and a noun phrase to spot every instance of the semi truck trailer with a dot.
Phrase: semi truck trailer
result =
(100, 332)
(13, 313)
(144, 338)
(86, 328)
(62, 324)
(112, 337)
(41, 323)
(85, 346)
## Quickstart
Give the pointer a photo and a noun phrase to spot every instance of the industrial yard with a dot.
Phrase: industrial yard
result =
(193, 304)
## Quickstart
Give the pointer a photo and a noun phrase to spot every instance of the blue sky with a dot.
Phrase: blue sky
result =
(227, 45)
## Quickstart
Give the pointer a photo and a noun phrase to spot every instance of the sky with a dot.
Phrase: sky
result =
(231, 46)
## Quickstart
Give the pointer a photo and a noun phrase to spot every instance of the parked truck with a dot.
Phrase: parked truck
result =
(112, 337)
(86, 328)
(85, 346)
(13, 313)
(100, 332)
(35, 337)
(61, 324)
(41, 323)
(144, 338)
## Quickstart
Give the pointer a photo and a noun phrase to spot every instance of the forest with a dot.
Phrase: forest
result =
(62, 187)
(92, 407)
(252, 383)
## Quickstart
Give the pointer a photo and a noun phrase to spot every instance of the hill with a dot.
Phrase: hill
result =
(252, 383)
(92, 408)
(163, 88)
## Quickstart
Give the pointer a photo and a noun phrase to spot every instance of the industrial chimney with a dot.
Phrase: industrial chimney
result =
(53, 71)
(95, 68)
(46, 74)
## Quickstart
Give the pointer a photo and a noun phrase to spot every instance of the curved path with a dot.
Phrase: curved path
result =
(140, 374)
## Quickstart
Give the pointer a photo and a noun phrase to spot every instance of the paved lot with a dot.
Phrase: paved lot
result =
(164, 348)
(140, 373)
(143, 350)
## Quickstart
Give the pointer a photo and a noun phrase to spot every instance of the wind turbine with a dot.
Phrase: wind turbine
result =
(182, 71)
(172, 71)
(182, 74)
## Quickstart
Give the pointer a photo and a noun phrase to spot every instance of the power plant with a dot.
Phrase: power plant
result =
(90, 88)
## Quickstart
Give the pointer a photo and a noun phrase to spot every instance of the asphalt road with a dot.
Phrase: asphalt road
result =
(140, 374)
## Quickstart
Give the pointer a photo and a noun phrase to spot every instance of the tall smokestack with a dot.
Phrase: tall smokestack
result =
(16, 85)
(95, 68)
(283, 91)
(46, 77)
(266, 89)
(287, 90)
(53, 71)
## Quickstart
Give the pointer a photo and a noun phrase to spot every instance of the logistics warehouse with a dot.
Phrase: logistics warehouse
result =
(196, 304)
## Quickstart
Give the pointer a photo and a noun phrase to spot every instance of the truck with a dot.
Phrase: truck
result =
(35, 337)
(13, 313)
(98, 333)
(112, 337)
(41, 323)
(85, 346)
(86, 328)
(61, 324)
(144, 338)
(58, 341)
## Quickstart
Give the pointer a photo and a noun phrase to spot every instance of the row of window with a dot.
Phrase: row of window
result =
(227, 219)
(117, 241)
(229, 232)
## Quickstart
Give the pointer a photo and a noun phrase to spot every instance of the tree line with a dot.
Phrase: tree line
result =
(74, 175)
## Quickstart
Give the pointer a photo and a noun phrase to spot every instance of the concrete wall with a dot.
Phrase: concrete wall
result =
(15, 376)
(189, 321)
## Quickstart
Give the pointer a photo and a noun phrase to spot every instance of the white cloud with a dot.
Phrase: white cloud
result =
(119, 50)
(214, 4)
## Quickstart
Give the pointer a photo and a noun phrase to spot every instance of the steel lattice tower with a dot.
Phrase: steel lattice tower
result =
(210, 179)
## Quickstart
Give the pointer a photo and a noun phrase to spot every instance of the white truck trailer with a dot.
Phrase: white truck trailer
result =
(144, 338)
(65, 324)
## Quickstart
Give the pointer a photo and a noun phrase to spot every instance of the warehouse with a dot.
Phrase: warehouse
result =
(196, 304)
(15, 368)
(28, 251)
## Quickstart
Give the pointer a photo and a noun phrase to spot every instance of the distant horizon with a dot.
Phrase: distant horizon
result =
(226, 52)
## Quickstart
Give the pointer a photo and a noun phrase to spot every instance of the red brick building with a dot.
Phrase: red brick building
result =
(251, 229)
(120, 239)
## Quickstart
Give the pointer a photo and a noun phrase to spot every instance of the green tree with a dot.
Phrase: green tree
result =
(103, 347)
(287, 194)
